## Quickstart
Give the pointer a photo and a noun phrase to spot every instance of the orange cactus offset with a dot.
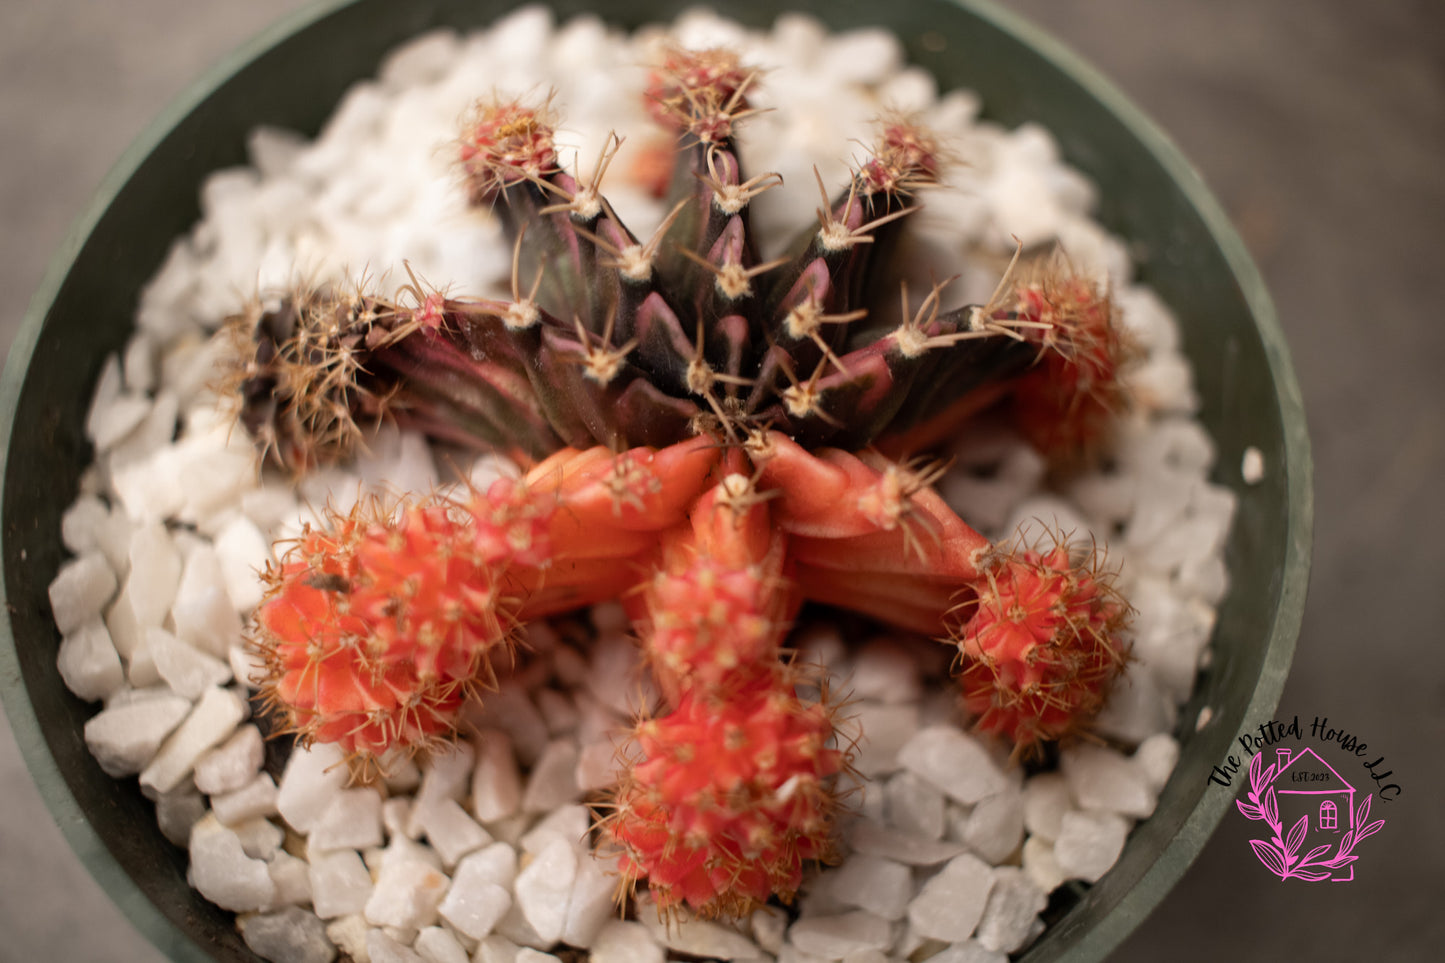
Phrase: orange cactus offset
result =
(732, 797)
(1041, 645)
(375, 633)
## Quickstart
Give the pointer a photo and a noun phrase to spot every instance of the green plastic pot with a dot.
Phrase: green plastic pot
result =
(293, 75)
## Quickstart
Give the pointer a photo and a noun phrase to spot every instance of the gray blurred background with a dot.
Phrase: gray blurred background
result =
(1321, 127)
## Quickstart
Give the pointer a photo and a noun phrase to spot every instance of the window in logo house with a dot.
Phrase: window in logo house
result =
(1327, 815)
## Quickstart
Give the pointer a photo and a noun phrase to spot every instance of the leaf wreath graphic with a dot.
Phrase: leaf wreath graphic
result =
(1279, 851)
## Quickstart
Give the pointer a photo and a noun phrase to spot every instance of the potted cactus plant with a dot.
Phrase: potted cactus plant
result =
(703, 435)
(714, 440)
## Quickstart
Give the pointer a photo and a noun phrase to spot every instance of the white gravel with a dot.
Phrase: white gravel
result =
(483, 853)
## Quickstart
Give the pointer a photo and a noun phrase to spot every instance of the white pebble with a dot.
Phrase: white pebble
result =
(421, 60)
(407, 894)
(223, 872)
(496, 781)
(155, 431)
(620, 941)
(213, 720)
(82, 522)
(867, 956)
(1156, 758)
(242, 552)
(80, 591)
(496, 949)
(954, 762)
(861, 56)
(259, 836)
(995, 827)
(118, 419)
(445, 778)
(558, 711)
(886, 671)
(880, 886)
(1014, 902)
(553, 781)
(1046, 799)
(529, 955)
(833, 937)
(512, 711)
(155, 573)
(340, 883)
(290, 936)
(451, 832)
(125, 738)
(396, 817)
(969, 951)
(436, 945)
(1136, 709)
(616, 673)
(597, 767)
(313, 776)
(232, 764)
(348, 933)
(885, 729)
(697, 937)
(1089, 843)
(292, 878)
(177, 813)
(950, 904)
(479, 896)
(190, 672)
(914, 806)
(351, 820)
(1100, 778)
(1042, 865)
(255, 799)
(592, 902)
(88, 662)
(544, 886)
(247, 666)
(381, 948)
(1251, 466)
(203, 613)
(872, 839)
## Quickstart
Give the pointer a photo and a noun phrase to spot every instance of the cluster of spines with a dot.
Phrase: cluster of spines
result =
(1040, 639)
(623, 342)
(376, 631)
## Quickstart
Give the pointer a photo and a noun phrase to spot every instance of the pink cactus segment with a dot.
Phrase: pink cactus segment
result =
(511, 522)
(700, 92)
(905, 601)
(906, 158)
(1069, 402)
(733, 794)
(639, 490)
(715, 611)
(851, 513)
(1043, 645)
(504, 144)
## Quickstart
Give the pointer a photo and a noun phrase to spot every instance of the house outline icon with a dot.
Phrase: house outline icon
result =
(1305, 785)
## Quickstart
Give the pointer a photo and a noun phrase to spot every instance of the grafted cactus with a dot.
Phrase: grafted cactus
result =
(703, 435)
